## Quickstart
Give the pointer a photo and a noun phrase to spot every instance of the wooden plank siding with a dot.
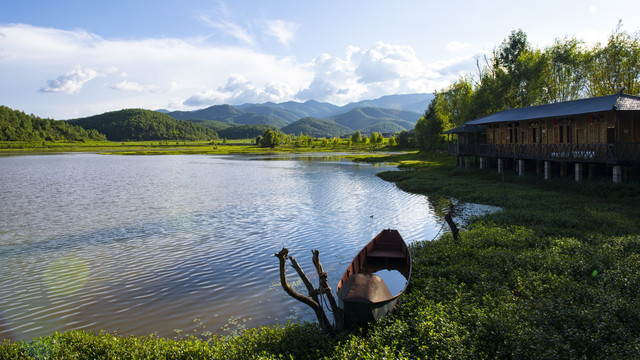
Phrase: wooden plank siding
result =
(608, 134)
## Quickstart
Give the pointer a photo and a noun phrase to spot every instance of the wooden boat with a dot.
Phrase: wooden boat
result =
(362, 295)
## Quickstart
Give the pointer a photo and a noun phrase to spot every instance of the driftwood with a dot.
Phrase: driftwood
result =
(449, 219)
(314, 300)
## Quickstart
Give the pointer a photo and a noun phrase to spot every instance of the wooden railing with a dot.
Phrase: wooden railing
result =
(601, 153)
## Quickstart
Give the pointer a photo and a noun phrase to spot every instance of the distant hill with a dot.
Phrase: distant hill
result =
(140, 124)
(244, 131)
(17, 126)
(317, 128)
(233, 116)
(259, 119)
(361, 118)
(273, 110)
(416, 103)
(312, 108)
(223, 113)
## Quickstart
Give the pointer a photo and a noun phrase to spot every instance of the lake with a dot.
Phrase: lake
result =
(182, 244)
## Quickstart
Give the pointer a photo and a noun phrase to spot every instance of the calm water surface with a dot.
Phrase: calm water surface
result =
(163, 244)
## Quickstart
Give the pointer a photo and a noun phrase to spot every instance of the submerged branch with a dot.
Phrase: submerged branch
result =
(326, 289)
(315, 305)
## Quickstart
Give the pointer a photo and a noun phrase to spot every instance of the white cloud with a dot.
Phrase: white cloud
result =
(187, 68)
(195, 73)
(593, 9)
(71, 81)
(230, 28)
(386, 62)
(456, 46)
(283, 31)
(127, 85)
(238, 90)
(368, 73)
(226, 24)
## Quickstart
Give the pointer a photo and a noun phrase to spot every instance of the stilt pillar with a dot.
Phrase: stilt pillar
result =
(483, 163)
(466, 162)
(521, 167)
(617, 174)
(500, 165)
(578, 172)
(547, 170)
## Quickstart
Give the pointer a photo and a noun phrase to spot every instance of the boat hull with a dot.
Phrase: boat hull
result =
(362, 295)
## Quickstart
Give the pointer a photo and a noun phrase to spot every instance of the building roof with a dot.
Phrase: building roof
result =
(620, 102)
(466, 129)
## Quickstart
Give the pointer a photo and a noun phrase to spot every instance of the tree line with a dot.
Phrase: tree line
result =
(518, 75)
(142, 125)
(15, 125)
(272, 138)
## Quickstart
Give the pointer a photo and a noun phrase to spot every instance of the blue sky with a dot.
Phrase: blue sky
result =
(71, 58)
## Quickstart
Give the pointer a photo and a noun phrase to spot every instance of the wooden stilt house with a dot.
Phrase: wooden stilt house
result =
(602, 130)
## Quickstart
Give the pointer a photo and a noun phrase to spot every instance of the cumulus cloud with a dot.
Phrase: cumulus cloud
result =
(71, 81)
(238, 90)
(195, 73)
(385, 62)
(368, 73)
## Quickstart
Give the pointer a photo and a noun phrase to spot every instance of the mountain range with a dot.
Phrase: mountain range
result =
(387, 114)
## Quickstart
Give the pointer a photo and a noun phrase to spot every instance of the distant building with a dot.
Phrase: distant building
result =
(567, 136)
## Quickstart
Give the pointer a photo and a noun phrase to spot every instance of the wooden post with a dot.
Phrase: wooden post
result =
(520, 167)
(578, 172)
(617, 174)
(317, 308)
(338, 316)
(449, 219)
(547, 170)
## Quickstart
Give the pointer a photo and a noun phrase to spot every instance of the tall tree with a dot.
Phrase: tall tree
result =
(616, 66)
(270, 138)
(453, 104)
(510, 50)
(566, 76)
(428, 129)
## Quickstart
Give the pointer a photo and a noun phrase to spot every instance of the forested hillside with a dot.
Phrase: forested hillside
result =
(317, 128)
(244, 131)
(377, 120)
(366, 116)
(17, 126)
(139, 124)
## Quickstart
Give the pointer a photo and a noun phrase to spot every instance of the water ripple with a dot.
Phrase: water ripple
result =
(148, 244)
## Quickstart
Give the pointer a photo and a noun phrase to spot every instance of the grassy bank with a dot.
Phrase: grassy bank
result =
(555, 274)
(217, 147)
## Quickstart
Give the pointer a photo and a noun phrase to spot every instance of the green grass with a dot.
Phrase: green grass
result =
(176, 147)
(554, 275)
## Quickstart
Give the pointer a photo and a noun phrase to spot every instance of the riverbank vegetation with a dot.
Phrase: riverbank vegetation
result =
(272, 139)
(554, 274)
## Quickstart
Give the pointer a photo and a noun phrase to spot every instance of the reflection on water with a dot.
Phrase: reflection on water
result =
(147, 244)
(394, 280)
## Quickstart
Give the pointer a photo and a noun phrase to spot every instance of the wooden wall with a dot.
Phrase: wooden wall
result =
(579, 129)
